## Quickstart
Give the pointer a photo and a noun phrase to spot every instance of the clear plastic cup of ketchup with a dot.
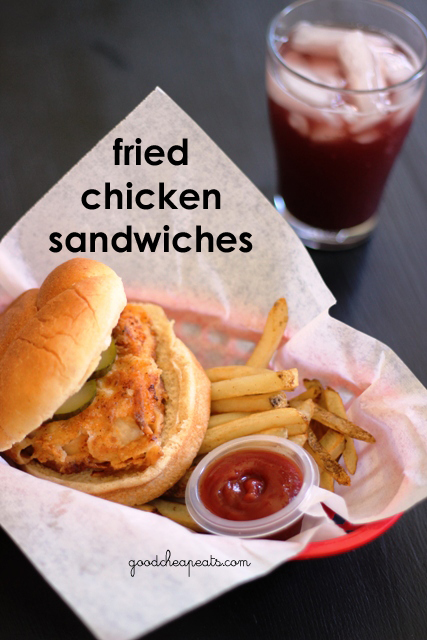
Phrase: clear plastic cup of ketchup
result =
(252, 487)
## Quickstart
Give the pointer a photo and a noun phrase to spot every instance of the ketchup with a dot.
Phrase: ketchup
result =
(249, 484)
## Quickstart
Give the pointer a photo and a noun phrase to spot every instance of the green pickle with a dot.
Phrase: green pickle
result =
(106, 361)
(83, 398)
(77, 403)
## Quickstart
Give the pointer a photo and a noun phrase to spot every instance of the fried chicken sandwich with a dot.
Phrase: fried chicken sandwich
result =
(96, 393)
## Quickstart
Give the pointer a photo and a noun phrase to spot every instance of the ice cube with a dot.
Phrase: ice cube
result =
(304, 89)
(368, 137)
(282, 96)
(349, 112)
(325, 133)
(396, 66)
(296, 61)
(328, 71)
(277, 92)
(316, 40)
(359, 66)
(314, 70)
(364, 122)
(378, 41)
(298, 122)
(396, 58)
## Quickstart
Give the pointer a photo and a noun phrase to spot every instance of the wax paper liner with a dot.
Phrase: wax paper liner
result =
(83, 545)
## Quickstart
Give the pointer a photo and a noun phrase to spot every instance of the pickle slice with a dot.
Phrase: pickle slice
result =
(106, 361)
(77, 403)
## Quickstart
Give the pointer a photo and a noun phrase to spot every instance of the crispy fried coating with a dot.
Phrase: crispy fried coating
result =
(121, 429)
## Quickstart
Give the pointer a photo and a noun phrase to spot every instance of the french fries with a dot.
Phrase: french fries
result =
(341, 424)
(216, 374)
(328, 463)
(326, 480)
(251, 399)
(310, 394)
(288, 417)
(334, 443)
(331, 400)
(220, 418)
(300, 439)
(319, 429)
(266, 382)
(305, 407)
(279, 401)
(350, 455)
(250, 404)
(174, 511)
(280, 432)
(273, 331)
(313, 384)
(178, 489)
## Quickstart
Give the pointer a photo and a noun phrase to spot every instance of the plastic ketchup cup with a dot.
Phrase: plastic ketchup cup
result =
(246, 489)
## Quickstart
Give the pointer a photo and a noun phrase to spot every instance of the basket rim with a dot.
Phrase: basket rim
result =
(362, 535)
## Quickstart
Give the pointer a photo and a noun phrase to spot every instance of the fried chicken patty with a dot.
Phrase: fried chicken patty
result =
(121, 429)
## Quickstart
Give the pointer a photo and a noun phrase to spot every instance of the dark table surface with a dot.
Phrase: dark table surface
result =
(69, 72)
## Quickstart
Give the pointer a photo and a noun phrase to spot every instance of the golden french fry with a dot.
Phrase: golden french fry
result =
(300, 439)
(173, 510)
(333, 442)
(250, 404)
(279, 401)
(350, 455)
(319, 429)
(311, 394)
(310, 384)
(305, 407)
(314, 455)
(178, 489)
(254, 423)
(328, 463)
(280, 432)
(147, 507)
(268, 381)
(341, 424)
(326, 480)
(220, 418)
(331, 400)
(215, 374)
(273, 331)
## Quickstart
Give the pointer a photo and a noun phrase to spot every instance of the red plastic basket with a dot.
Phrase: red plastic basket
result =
(356, 538)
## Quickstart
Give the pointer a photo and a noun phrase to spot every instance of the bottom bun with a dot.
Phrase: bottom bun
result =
(186, 418)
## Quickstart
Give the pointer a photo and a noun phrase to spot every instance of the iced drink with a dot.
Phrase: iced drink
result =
(341, 102)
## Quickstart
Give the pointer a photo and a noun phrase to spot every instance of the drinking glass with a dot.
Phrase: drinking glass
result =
(335, 145)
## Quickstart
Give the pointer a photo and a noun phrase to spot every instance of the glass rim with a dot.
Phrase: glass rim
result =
(390, 5)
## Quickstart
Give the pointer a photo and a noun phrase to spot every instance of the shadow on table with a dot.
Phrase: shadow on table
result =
(343, 272)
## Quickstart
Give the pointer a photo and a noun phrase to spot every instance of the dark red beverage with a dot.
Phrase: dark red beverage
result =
(340, 109)
(334, 184)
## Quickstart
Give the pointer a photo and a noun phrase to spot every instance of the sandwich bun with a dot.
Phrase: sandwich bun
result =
(50, 343)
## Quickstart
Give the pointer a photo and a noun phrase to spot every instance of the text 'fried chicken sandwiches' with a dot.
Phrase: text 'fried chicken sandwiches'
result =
(97, 394)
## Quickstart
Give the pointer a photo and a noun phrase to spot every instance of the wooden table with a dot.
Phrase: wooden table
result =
(70, 71)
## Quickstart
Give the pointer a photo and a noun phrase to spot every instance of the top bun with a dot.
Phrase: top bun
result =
(51, 340)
